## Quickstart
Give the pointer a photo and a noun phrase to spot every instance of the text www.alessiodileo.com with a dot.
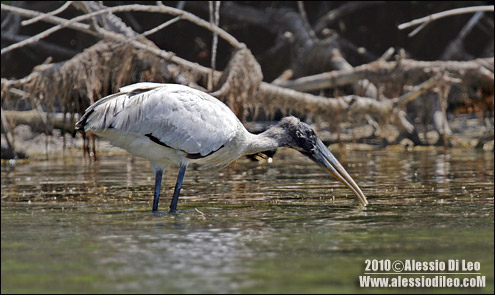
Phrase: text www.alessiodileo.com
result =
(424, 282)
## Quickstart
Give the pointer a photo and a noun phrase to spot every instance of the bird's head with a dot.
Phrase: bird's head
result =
(301, 137)
(297, 135)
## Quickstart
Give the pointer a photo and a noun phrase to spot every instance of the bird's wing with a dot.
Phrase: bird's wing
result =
(173, 115)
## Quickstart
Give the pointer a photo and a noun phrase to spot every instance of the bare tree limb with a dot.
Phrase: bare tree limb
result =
(417, 91)
(470, 72)
(214, 19)
(160, 27)
(428, 19)
(40, 17)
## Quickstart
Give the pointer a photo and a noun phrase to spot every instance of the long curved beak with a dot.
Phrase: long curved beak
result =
(322, 156)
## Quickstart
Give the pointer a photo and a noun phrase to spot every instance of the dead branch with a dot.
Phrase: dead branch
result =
(40, 17)
(328, 107)
(417, 91)
(160, 27)
(470, 72)
(215, 19)
(428, 19)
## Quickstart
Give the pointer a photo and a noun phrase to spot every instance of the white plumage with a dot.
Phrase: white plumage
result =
(191, 123)
(175, 124)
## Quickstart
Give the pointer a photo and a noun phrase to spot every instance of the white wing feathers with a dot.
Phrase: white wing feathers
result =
(178, 116)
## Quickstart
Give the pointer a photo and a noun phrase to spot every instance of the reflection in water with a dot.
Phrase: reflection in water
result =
(197, 261)
(69, 226)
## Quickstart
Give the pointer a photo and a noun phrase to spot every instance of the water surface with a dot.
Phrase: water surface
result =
(70, 225)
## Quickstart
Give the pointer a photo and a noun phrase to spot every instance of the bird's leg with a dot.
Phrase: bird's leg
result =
(175, 198)
(158, 184)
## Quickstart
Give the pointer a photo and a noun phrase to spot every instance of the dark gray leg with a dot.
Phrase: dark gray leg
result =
(175, 198)
(158, 184)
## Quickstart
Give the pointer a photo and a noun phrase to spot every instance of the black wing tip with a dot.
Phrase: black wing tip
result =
(79, 125)
(83, 121)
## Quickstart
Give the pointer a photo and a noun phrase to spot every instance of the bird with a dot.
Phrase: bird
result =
(173, 124)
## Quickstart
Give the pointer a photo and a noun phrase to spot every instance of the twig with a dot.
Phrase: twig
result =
(417, 91)
(214, 19)
(286, 75)
(40, 17)
(160, 27)
(435, 16)
(387, 54)
(419, 28)
(486, 64)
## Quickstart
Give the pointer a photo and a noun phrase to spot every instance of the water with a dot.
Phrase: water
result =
(285, 227)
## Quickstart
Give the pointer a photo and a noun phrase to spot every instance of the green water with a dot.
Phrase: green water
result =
(285, 227)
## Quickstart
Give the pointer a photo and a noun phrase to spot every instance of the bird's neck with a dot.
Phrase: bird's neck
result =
(268, 140)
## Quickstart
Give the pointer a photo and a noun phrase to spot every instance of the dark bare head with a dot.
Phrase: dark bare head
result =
(293, 133)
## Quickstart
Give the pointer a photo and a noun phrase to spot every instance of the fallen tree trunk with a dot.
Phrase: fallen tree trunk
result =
(472, 74)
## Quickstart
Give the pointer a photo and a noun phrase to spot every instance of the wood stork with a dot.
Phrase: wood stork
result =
(175, 124)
